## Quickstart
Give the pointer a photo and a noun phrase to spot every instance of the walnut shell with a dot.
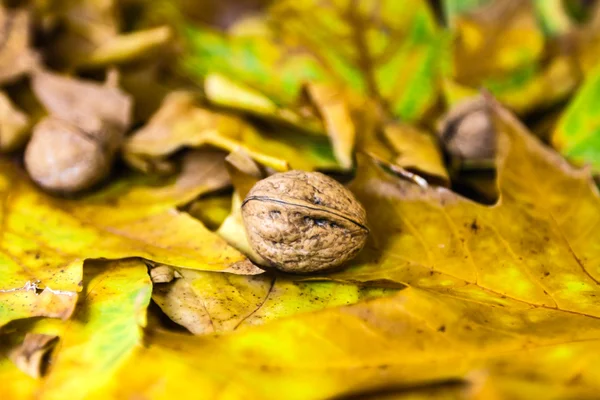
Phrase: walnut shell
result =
(304, 222)
(468, 131)
(61, 157)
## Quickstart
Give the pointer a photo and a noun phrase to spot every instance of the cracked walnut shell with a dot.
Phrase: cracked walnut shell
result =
(304, 222)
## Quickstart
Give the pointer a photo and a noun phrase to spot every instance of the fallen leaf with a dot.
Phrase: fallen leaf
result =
(245, 173)
(224, 92)
(335, 111)
(211, 210)
(16, 57)
(537, 244)
(180, 122)
(206, 302)
(128, 47)
(103, 331)
(25, 302)
(414, 339)
(394, 62)
(577, 133)
(14, 125)
(416, 151)
(502, 47)
(17, 385)
(29, 356)
(46, 239)
(83, 103)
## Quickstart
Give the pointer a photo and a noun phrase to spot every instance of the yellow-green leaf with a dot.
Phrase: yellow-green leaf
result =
(538, 244)
(180, 122)
(387, 50)
(207, 302)
(577, 135)
(410, 340)
(502, 47)
(45, 240)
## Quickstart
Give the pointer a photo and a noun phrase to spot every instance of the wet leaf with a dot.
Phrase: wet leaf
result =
(577, 135)
(46, 240)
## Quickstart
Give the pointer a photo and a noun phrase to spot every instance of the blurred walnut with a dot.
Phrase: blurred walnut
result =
(304, 222)
(74, 148)
(467, 131)
(64, 158)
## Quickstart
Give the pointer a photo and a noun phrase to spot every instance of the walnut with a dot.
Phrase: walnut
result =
(304, 222)
(74, 148)
(467, 131)
(62, 157)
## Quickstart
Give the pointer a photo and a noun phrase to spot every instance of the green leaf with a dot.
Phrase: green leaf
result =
(577, 135)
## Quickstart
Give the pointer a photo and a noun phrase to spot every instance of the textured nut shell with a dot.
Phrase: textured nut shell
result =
(60, 157)
(304, 222)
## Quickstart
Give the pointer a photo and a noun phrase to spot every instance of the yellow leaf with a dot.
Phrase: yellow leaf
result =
(410, 340)
(206, 302)
(181, 123)
(13, 125)
(416, 151)
(538, 244)
(501, 47)
(104, 330)
(45, 240)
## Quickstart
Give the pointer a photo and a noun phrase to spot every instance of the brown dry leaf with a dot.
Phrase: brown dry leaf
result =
(205, 302)
(180, 123)
(83, 103)
(14, 125)
(16, 57)
(29, 356)
(46, 240)
(89, 35)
